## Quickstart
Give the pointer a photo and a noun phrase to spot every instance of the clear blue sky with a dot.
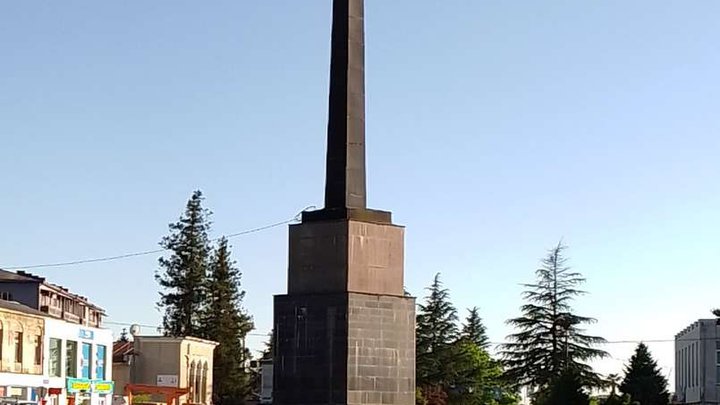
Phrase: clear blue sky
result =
(495, 128)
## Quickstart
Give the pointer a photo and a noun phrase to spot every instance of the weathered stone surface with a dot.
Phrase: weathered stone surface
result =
(326, 352)
(338, 256)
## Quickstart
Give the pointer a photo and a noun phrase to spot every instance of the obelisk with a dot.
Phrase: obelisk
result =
(345, 331)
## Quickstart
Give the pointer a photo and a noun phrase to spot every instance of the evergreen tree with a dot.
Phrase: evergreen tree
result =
(565, 389)
(612, 381)
(184, 271)
(478, 379)
(474, 331)
(549, 340)
(436, 333)
(643, 381)
(269, 351)
(227, 323)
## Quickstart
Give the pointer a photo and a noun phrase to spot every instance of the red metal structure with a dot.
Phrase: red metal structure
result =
(172, 395)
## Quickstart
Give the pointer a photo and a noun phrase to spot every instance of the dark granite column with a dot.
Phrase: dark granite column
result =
(345, 332)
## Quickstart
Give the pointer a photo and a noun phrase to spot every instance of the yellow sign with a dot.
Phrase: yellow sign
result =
(77, 385)
(103, 387)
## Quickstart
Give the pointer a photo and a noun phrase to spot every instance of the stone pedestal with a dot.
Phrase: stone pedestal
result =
(345, 332)
(344, 348)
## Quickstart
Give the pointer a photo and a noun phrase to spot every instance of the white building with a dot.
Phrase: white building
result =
(79, 363)
(697, 363)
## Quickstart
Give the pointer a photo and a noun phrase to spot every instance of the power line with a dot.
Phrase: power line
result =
(158, 327)
(608, 342)
(154, 251)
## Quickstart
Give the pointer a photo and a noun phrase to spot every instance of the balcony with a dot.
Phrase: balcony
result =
(70, 317)
(51, 310)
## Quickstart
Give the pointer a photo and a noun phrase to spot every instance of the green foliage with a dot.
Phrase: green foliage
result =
(612, 381)
(549, 338)
(436, 332)
(473, 329)
(141, 399)
(643, 381)
(478, 379)
(201, 297)
(614, 399)
(453, 368)
(184, 271)
(227, 323)
(567, 388)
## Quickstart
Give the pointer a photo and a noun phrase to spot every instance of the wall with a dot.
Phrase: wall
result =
(696, 362)
(155, 357)
(27, 373)
(160, 355)
(121, 377)
(201, 354)
(24, 293)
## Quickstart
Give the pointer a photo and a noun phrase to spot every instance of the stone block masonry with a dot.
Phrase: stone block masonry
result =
(344, 348)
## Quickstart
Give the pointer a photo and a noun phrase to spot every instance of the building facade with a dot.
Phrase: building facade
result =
(697, 363)
(180, 362)
(78, 363)
(22, 332)
(51, 299)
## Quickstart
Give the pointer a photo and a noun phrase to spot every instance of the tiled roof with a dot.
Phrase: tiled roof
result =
(25, 277)
(18, 307)
(20, 276)
(120, 350)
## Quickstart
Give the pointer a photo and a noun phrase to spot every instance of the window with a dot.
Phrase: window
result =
(100, 362)
(6, 296)
(54, 365)
(86, 361)
(18, 341)
(71, 359)
(38, 349)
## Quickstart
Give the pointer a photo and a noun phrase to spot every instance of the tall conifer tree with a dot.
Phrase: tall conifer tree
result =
(643, 381)
(227, 323)
(473, 329)
(549, 338)
(436, 334)
(183, 272)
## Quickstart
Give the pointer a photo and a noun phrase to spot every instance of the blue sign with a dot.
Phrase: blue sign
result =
(86, 334)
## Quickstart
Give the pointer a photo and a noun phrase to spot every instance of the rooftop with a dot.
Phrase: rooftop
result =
(18, 307)
(176, 338)
(24, 277)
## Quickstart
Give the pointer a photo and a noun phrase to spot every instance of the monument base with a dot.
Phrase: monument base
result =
(344, 348)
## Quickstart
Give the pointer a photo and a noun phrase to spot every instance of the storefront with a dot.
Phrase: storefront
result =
(77, 359)
(82, 391)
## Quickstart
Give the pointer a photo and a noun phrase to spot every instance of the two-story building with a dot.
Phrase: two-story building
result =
(78, 363)
(22, 331)
(51, 299)
(64, 350)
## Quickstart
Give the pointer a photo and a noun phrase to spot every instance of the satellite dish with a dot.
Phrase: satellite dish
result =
(135, 329)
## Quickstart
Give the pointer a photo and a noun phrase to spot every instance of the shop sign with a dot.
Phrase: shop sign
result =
(78, 385)
(167, 380)
(86, 334)
(102, 387)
